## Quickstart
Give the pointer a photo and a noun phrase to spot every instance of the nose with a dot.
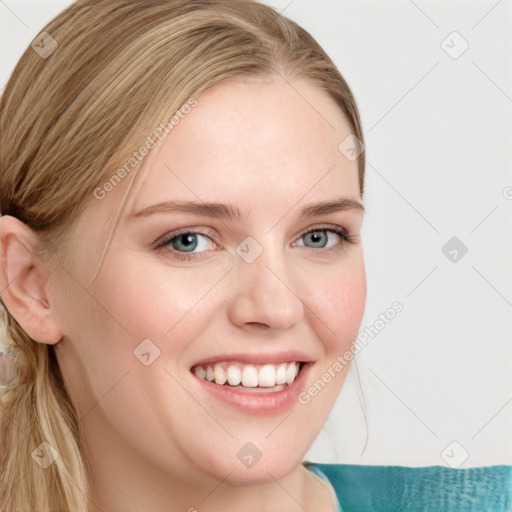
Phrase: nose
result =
(264, 293)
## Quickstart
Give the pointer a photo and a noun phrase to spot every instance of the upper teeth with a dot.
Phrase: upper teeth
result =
(249, 375)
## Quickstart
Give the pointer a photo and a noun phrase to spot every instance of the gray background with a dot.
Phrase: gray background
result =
(437, 378)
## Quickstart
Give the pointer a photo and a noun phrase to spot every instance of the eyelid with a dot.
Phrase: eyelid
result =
(164, 239)
(327, 227)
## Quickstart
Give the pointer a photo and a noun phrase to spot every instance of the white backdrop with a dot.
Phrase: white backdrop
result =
(434, 87)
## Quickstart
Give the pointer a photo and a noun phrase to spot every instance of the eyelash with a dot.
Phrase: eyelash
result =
(163, 242)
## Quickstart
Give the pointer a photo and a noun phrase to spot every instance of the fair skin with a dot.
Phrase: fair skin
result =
(156, 438)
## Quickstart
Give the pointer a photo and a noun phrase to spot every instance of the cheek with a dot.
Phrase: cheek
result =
(154, 300)
(351, 298)
(338, 301)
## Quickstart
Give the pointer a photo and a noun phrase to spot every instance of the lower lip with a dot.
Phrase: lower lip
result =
(259, 403)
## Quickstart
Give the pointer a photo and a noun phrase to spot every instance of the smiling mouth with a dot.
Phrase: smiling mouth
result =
(250, 377)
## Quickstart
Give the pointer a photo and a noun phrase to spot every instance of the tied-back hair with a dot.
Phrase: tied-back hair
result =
(68, 120)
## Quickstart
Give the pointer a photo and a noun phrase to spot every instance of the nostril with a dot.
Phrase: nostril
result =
(259, 325)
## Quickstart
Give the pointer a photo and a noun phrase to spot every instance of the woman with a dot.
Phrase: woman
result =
(182, 265)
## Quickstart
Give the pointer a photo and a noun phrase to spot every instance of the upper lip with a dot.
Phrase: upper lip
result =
(258, 358)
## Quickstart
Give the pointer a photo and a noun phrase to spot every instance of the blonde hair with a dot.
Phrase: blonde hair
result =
(68, 120)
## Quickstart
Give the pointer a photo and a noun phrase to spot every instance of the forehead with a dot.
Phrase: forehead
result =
(252, 144)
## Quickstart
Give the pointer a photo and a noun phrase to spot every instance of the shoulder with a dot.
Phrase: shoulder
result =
(414, 489)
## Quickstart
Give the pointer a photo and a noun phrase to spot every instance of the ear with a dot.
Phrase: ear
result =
(24, 279)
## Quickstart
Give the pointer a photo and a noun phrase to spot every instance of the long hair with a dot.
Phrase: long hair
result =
(111, 71)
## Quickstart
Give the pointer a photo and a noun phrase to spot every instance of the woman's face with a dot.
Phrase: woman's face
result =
(250, 294)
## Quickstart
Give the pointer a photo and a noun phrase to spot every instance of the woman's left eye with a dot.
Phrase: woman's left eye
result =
(189, 244)
(319, 237)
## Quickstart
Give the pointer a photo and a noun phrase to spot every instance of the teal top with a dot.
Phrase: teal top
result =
(361, 488)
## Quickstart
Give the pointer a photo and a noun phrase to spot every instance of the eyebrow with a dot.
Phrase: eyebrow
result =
(230, 212)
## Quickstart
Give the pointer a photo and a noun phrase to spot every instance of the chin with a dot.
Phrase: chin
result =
(254, 463)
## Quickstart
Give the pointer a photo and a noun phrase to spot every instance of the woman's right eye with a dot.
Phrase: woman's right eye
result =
(188, 241)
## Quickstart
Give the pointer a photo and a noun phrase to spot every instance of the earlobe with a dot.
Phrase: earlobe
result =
(23, 281)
